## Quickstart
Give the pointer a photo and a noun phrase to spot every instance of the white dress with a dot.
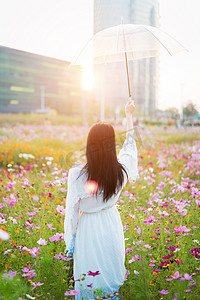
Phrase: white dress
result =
(99, 243)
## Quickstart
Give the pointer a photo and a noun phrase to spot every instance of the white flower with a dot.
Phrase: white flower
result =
(26, 156)
(4, 235)
(136, 272)
(42, 242)
(177, 250)
(196, 241)
(30, 297)
(49, 158)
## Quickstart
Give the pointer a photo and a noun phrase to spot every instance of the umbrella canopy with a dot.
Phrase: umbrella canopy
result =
(138, 41)
(126, 42)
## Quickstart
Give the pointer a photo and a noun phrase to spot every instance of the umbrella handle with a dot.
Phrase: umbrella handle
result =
(127, 75)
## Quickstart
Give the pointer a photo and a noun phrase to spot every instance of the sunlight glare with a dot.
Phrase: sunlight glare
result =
(87, 77)
(91, 186)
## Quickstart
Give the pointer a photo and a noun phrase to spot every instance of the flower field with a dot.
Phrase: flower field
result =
(160, 212)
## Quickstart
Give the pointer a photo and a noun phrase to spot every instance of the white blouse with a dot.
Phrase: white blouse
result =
(78, 200)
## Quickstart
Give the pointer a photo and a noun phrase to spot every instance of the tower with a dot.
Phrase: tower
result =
(144, 73)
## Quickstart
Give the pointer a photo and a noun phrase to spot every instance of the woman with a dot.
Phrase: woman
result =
(96, 237)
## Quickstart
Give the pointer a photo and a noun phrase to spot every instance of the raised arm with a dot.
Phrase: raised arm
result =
(128, 154)
(129, 110)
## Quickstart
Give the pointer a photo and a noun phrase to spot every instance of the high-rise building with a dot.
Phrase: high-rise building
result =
(144, 73)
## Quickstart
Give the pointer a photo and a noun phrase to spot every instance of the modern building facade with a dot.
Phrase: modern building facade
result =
(31, 82)
(144, 73)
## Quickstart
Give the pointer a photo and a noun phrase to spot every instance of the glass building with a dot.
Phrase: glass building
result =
(144, 73)
(31, 83)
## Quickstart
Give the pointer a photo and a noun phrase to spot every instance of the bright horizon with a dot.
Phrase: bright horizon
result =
(60, 28)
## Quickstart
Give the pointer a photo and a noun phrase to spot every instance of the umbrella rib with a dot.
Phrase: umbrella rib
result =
(158, 40)
(72, 63)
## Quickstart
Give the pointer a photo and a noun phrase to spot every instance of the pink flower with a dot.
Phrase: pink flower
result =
(31, 213)
(36, 284)
(50, 226)
(42, 242)
(12, 203)
(60, 209)
(35, 198)
(56, 237)
(72, 293)
(34, 251)
(10, 274)
(167, 230)
(187, 276)
(181, 229)
(29, 273)
(164, 292)
(176, 274)
(197, 202)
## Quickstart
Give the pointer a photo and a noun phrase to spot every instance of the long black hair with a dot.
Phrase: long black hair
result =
(102, 165)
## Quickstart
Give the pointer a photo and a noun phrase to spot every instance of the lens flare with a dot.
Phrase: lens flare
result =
(91, 186)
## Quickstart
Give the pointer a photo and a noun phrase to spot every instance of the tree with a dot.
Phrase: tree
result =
(173, 112)
(190, 109)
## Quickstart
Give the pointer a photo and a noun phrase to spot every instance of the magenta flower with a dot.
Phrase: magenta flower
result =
(90, 285)
(164, 292)
(93, 273)
(168, 256)
(171, 248)
(195, 252)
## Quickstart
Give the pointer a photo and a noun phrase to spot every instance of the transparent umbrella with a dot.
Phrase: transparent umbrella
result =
(126, 42)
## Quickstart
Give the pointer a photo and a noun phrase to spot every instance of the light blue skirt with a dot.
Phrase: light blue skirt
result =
(99, 246)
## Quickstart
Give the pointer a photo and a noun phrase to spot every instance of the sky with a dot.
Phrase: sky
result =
(60, 28)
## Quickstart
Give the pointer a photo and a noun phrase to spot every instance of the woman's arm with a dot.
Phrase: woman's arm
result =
(128, 154)
(129, 110)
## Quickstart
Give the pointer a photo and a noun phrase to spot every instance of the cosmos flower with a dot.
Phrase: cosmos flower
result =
(72, 293)
(42, 242)
(10, 274)
(195, 252)
(4, 235)
(181, 229)
(164, 292)
(93, 273)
